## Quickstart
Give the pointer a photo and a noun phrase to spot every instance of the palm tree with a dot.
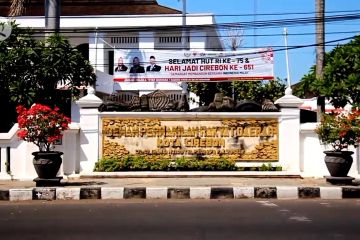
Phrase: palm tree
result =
(320, 46)
(52, 13)
(16, 8)
(320, 51)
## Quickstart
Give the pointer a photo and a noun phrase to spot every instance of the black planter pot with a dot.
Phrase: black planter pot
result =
(338, 163)
(47, 164)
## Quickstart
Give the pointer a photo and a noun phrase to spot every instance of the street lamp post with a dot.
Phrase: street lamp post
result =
(288, 90)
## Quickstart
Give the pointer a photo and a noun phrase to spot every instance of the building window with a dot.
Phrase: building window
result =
(124, 40)
(171, 39)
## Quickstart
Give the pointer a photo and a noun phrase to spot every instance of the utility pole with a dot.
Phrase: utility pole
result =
(320, 51)
(255, 19)
(184, 37)
(52, 16)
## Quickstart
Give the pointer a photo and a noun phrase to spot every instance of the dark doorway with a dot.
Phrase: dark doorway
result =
(84, 50)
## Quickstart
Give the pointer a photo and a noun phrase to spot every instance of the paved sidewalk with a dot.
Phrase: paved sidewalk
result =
(179, 188)
(178, 182)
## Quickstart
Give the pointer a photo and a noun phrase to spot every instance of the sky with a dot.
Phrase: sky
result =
(301, 59)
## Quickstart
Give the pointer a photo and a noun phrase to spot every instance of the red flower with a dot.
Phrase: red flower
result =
(340, 130)
(20, 109)
(41, 125)
(22, 134)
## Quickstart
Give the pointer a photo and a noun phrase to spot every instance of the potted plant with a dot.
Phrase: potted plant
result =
(340, 130)
(42, 126)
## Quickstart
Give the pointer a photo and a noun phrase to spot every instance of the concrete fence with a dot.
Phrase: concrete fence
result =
(300, 151)
(312, 157)
(16, 158)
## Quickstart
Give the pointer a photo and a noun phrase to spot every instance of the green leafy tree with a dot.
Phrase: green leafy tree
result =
(31, 69)
(341, 81)
(61, 64)
(254, 90)
(17, 83)
(206, 91)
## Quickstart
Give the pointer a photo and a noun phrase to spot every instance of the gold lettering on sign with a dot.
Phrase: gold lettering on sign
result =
(239, 139)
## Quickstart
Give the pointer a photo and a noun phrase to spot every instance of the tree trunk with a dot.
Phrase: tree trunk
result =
(52, 13)
(16, 8)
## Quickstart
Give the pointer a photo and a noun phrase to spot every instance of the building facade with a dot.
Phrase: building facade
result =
(97, 27)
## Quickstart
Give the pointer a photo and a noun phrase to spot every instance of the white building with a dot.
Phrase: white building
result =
(97, 27)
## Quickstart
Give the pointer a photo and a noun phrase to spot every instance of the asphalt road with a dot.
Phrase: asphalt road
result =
(167, 219)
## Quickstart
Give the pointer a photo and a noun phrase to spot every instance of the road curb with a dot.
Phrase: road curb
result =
(114, 193)
(287, 192)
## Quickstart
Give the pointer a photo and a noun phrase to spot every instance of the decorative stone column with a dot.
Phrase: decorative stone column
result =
(89, 130)
(289, 132)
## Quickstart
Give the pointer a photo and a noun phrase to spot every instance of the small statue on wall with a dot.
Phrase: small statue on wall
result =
(183, 104)
(159, 101)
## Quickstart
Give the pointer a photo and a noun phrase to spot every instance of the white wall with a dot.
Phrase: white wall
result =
(21, 159)
(299, 148)
(120, 21)
(312, 157)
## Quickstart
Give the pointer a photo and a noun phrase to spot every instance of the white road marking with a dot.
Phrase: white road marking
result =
(284, 210)
(300, 218)
(291, 216)
(267, 204)
(325, 204)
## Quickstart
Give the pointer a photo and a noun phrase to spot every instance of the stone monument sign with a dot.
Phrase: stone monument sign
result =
(238, 139)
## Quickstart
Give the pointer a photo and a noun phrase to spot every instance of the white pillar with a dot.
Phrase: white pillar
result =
(3, 173)
(197, 41)
(97, 52)
(89, 130)
(71, 150)
(289, 133)
(146, 41)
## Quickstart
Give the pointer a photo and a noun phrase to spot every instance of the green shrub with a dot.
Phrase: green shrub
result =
(266, 167)
(108, 165)
(160, 165)
(225, 164)
(278, 168)
(149, 163)
(185, 164)
(143, 163)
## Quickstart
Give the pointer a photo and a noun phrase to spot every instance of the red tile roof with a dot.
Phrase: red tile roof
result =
(93, 7)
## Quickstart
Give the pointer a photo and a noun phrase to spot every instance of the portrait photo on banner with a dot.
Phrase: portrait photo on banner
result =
(176, 66)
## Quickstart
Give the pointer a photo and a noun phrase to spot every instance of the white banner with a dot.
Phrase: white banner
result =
(176, 66)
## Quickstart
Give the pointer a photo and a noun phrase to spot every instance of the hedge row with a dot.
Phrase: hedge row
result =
(140, 163)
